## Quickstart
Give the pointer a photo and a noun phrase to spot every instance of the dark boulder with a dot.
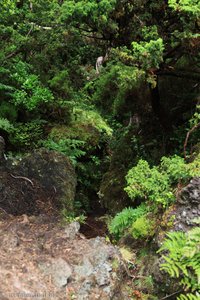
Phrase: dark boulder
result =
(39, 182)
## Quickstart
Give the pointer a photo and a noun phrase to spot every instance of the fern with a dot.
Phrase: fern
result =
(189, 296)
(69, 147)
(183, 260)
(124, 219)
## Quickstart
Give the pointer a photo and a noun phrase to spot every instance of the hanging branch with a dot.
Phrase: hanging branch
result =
(187, 137)
(41, 27)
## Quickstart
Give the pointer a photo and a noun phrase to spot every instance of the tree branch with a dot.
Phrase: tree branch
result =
(187, 137)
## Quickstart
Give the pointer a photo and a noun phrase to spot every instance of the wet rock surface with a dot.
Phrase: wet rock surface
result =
(40, 182)
(179, 217)
(187, 207)
(39, 259)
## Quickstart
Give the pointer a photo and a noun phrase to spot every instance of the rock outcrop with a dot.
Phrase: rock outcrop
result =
(41, 181)
(40, 260)
(179, 217)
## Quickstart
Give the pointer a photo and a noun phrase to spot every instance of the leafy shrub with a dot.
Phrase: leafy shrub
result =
(149, 183)
(142, 227)
(30, 92)
(6, 125)
(156, 184)
(196, 117)
(190, 7)
(193, 168)
(183, 260)
(148, 54)
(115, 85)
(91, 117)
(174, 167)
(125, 219)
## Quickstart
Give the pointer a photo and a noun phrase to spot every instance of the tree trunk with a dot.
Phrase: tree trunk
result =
(162, 115)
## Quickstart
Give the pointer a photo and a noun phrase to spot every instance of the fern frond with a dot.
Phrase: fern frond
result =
(183, 260)
(189, 297)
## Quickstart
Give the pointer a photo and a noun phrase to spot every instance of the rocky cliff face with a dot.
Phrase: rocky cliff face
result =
(179, 217)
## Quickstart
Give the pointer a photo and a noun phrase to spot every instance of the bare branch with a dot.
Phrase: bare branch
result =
(169, 296)
(187, 137)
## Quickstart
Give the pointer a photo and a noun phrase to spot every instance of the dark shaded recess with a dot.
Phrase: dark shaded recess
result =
(93, 227)
(20, 3)
(178, 96)
(162, 114)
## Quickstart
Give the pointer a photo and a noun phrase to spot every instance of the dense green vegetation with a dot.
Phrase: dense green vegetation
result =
(131, 129)
(184, 258)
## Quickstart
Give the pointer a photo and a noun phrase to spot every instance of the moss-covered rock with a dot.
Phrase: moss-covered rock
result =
(41, 181)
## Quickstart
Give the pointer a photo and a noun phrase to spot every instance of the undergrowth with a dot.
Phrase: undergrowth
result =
(182, 260)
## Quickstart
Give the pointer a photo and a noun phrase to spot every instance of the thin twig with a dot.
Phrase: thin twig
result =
(187, 137)
(169, 296)
(32, 26)
(22, 177)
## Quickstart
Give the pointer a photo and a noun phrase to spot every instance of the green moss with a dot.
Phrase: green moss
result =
(194, 167)
(143, 227)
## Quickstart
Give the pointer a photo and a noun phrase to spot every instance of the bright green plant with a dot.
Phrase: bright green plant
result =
(194, 167)
(93, 118)
(6, 125)
(31, 93)
(183, 261)
(148, 54)
(143, 227)
(196, 117)
(174, 167)
(157, 184)
(190, 7)
(123, 220)
(149, 184)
